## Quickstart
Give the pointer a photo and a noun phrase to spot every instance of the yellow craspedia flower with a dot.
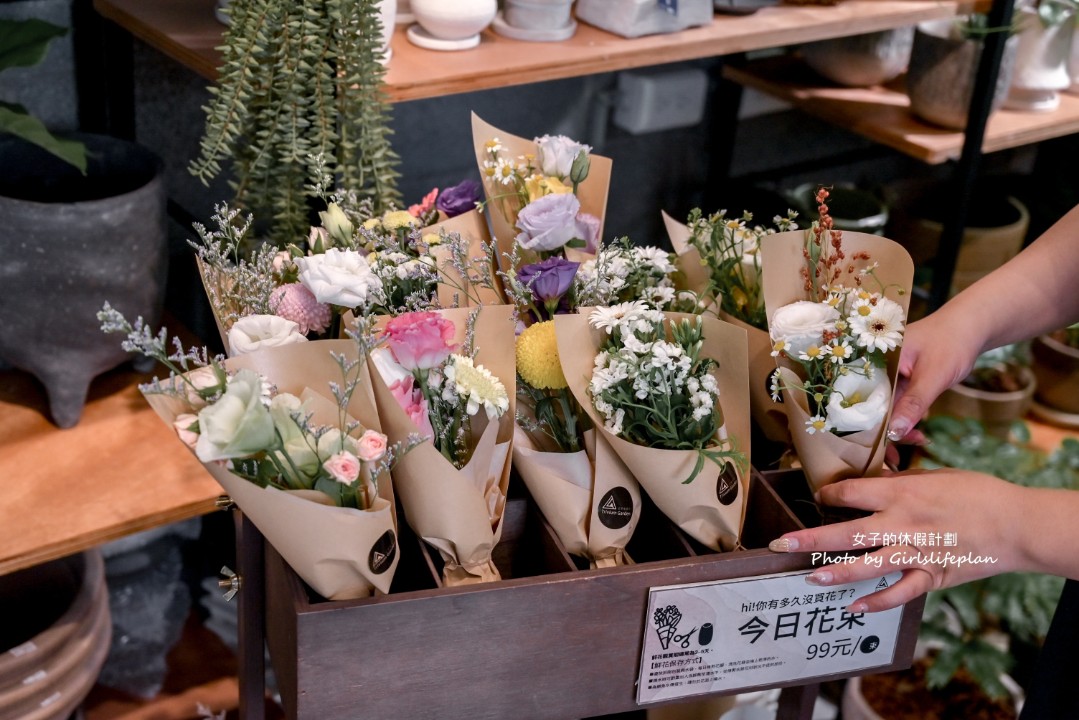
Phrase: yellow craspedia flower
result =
(398, 219)
(431, 239)
(537, 357)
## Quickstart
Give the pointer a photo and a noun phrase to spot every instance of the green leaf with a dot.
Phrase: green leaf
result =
(576, 243)
(23, 43)
(14, 120)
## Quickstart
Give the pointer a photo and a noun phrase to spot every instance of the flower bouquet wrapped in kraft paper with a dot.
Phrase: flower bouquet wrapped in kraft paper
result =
(555, 177)
(584, 490)
(464, 256)
(837, 304)
(311, 472)
(449, 376)
(719, 258)
(650, 383)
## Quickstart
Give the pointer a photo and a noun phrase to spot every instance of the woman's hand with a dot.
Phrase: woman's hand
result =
(978, 513)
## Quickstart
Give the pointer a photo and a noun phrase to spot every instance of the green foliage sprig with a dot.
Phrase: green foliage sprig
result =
(300, 79)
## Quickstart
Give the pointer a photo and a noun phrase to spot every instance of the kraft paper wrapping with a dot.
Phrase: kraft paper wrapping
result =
(342, 553)
(712, 508)
(474, 231)
(589, 497)
(592, 193)
(459, 512)
(771, 420)
(825, 457)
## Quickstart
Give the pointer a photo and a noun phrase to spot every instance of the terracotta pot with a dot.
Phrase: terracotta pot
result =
(940, 77)
(862, 60)
(1056, 366)
(854, 705)
(995, 234)
(995, 410)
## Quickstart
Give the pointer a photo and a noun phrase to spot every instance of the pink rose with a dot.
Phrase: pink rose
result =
(425, 206)
(183, 425)
(344, 467)
(372, 446)
(419, 340)
(413, 403)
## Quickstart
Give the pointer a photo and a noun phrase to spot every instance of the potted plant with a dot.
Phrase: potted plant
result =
(943, 61)
(79, 227)
(1045, 29)
(861, 60)
(997, 392)
(971, 633)
(300, 80)
(1056, 366)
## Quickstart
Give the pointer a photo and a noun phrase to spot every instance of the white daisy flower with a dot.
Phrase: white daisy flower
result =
(840, 351)
(609, 318)
(881, 329)
(817, 424)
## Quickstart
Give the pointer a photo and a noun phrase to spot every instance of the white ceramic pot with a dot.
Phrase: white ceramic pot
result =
(1073, 60)
(458, 22)
(862, 60)
(1041, 63)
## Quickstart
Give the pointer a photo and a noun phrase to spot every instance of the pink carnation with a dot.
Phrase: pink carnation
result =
(372, 445)
(296, 303)
(344, 467)
(419, 340)
(413, 403)
(425, 206)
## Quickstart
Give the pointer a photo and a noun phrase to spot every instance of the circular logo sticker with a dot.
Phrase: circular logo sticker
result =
(870, 644)
(382, 553)
(727, 485)
(615, 508)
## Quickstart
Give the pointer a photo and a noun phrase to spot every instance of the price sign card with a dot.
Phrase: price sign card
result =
(732, 635)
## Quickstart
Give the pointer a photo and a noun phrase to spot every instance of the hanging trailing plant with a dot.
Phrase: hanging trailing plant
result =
(300, 79)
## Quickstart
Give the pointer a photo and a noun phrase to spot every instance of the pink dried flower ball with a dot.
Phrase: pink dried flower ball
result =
(296, 303)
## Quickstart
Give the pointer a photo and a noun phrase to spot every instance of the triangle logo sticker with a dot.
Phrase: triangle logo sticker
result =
(882, 584)
(610, 504)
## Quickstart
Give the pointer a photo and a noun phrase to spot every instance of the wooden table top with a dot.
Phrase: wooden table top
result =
(187, 31)
(117, 472)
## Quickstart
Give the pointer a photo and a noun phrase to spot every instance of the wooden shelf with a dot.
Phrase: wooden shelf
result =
(187, 31)
(119, 471)
(882, 113)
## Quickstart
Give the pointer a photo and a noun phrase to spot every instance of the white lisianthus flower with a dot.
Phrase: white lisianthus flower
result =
(339, 277)
(857, 402)
(802, 324)
(556, 154)
(256, 332)
(238, 424)
(879, 326)
(203, 379)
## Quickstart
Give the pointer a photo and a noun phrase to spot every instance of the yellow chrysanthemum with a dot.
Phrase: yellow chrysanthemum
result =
(537, 357)
(431, 239)
(372, 224)
(398, 219)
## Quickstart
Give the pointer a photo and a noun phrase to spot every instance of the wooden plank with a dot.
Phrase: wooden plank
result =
(882, 113)
(187, 31)
(119, 471)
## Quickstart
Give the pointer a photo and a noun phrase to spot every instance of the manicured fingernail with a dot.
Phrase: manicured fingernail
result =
(819, 577)
(857, 607)
(783, 545)
(898, 430)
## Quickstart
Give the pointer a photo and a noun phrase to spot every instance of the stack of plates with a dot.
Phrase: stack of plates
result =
(54, 637)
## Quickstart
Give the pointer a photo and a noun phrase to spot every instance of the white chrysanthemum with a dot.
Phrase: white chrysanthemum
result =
(817, 424)
(811, 353)
(478, 385)
(880, 329)
(614, 424)
(840, 351)
(505, 171)
(609, 318)
(635, 346)
(658, 259)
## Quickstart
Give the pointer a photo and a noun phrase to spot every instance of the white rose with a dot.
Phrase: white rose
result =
(255, 332)
(339, 277)
(556, 154)
(802, 324)
(859, 403)
(238, 424)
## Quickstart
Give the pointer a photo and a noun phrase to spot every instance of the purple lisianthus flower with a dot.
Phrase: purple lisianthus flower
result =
(460, 198)
(550, 222)
(550, 279)
(591, 224)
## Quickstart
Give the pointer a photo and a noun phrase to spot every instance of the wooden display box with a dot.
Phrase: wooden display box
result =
(548, 641)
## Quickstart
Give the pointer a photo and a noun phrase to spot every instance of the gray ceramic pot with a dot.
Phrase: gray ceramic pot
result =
(940, 78)
(862, 60)
(71, 243)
